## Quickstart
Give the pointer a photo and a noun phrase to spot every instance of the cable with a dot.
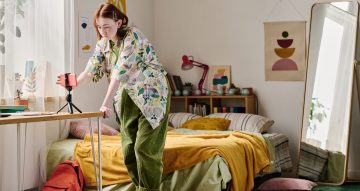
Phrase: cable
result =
(257, 105)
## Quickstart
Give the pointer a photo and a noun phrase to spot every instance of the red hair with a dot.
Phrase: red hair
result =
(108, 10)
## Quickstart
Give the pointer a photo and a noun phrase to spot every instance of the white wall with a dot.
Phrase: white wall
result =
(140, 13)
(231, 33)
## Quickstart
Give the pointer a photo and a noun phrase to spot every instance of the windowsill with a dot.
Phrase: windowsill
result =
(32, 100)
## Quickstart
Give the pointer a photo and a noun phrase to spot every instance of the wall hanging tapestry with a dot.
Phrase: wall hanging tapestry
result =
(285, 51)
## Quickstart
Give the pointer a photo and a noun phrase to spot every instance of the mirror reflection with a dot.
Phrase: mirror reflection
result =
(328, 92)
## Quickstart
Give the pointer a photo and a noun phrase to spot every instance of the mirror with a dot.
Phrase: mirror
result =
(328, 92)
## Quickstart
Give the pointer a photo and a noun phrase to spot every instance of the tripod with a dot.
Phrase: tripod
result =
(69, 102)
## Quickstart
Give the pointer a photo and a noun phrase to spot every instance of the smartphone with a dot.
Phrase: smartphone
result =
(68, 79)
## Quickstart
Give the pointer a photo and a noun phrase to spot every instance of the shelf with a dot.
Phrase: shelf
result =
(246, 102)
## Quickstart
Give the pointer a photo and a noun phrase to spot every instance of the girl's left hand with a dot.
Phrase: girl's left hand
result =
(107, 111)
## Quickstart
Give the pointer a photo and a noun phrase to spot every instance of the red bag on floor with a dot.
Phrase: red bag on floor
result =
(67, 176)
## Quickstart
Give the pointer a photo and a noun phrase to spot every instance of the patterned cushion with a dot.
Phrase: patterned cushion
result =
(245, 122)
(312, 161)
(279, 146)
(79, 128)
(177, 119)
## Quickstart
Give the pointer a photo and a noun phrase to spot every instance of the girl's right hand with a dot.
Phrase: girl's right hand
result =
(106, 110)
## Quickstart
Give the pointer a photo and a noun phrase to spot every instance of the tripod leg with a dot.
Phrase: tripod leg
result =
(76, 108)
(62, 107)
(70, 109)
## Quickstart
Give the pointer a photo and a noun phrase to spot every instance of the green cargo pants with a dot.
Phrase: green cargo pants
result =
(142, 145)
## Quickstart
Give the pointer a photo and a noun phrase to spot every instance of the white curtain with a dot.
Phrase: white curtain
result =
(32, 33)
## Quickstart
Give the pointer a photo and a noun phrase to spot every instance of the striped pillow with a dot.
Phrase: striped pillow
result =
(177, 119)
(245, 122)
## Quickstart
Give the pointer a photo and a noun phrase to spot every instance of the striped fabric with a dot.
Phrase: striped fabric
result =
(280, 142)
(245, 122)
(177, 119)
(312, 161)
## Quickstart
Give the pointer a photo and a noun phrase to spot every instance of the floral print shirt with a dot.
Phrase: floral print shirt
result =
(140, 73)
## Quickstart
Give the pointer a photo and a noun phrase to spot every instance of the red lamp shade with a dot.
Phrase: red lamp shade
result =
(189, 62)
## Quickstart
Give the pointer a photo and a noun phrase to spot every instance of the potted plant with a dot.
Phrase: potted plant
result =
(233, 89)
(18, 100)
(187, 88)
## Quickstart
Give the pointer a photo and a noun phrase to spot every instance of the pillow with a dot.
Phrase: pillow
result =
(177, 119)
(313, 161)
(207, 124)
(285, 184)
(80, 128)
(245, 121)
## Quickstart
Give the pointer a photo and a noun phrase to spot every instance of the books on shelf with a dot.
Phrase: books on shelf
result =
(199, 109)
(229, 109)
(204, 109)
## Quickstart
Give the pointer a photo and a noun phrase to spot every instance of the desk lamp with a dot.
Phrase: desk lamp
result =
(189, 62)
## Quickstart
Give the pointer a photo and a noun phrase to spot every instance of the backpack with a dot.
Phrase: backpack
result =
(67, 176)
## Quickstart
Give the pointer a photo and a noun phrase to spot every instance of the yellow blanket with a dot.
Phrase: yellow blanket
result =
(245, 154)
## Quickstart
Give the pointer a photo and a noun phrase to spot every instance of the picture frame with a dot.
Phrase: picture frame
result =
(178, 82)
(219, 77)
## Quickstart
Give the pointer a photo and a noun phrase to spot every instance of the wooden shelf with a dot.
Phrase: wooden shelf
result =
(248, 102)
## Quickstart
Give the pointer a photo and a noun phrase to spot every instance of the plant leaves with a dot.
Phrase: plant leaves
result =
(18, 32)
(2, 38)
(2, 25)
(2, 49)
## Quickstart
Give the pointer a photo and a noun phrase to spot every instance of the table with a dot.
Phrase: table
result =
(60, 116)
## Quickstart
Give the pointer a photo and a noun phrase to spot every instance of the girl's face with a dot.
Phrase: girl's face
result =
(108, 28)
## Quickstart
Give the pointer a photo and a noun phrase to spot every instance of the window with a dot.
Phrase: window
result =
(34, 32)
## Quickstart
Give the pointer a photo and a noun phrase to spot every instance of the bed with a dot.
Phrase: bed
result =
(214, 173)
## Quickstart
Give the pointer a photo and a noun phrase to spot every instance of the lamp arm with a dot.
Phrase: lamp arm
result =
(199, 64)
(201, 82)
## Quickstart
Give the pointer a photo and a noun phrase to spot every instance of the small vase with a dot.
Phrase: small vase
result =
(245, 91)
(197, 92)
(208, 92)
(185, 92)
(220, 92)
(177, 93)
(231, 91)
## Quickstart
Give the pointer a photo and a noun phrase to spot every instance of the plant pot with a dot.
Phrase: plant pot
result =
(21, 102)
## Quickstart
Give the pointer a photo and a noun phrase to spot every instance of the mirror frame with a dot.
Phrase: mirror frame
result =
(355, 79)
